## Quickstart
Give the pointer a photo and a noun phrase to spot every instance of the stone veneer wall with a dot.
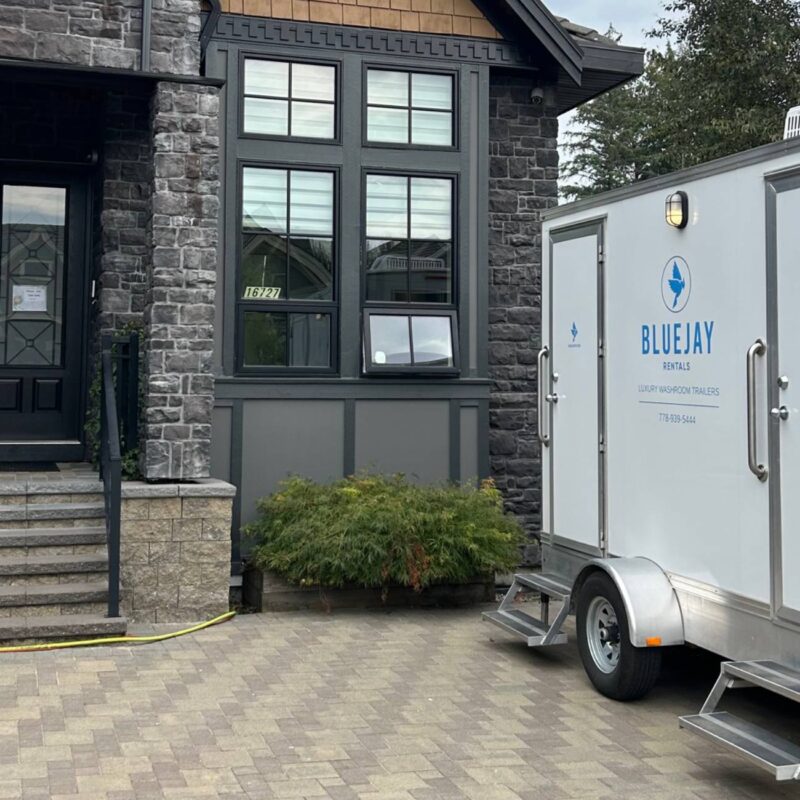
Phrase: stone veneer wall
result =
(523, 182)
(449, 17)
(175, 551)
(179, 313)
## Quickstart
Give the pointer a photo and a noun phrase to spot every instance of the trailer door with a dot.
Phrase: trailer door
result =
(783, 232)
(575, 396)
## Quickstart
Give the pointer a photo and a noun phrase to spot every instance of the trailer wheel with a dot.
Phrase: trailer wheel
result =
(615, 667)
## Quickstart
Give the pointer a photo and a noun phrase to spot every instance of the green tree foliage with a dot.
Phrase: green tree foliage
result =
(720, 81)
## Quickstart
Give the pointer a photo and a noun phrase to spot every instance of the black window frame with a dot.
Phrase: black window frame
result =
(399, 308)
(365, 106)
(420, 370)
(337, 98)
(287, 305)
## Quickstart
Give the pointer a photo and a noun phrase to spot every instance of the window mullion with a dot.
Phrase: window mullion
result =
(408, 240)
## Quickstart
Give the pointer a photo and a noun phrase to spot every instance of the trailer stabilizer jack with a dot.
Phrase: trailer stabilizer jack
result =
(536, 632)
(759, 746)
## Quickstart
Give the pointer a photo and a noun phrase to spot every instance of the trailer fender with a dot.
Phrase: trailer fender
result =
(654, 613)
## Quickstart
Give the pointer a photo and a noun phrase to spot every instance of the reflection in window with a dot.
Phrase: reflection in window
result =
(416, 340)
(409, 108)
(409, 247)
(282, 98)
(275, 339)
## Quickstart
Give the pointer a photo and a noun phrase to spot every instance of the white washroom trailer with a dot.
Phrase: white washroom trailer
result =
(669, 418)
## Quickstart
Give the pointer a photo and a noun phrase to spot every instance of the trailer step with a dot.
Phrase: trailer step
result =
(768, 675)
(759, 746)
(536, 632)
(548, 584)
(522, 624)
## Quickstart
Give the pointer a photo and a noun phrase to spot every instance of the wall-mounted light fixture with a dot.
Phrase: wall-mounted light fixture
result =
(677, 210)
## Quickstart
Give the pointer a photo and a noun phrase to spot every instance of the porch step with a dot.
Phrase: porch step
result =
(769, 675)
(522, 624)
(762, 748)
(551, 585)
(61, 626)
(53, 564)
(50, 511)
(47, 537)
(56, 594)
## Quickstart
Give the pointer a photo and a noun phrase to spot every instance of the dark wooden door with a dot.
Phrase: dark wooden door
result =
(43, 306)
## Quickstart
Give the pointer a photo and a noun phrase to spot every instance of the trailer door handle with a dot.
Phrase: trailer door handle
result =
(758, 348)
(544, 354)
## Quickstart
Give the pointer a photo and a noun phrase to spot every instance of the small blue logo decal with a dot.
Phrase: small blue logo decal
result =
(676, 284)
(574, 331)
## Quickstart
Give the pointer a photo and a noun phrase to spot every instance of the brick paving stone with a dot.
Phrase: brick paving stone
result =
(416, 705)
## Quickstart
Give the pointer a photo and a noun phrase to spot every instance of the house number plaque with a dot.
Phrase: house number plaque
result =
(262, 292)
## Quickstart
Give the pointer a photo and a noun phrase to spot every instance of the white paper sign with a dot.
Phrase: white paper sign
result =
(29, 298)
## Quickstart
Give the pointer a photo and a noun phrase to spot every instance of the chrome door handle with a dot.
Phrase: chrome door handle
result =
(544, 355)
(552, 398)
(758, 348)
(779, 413)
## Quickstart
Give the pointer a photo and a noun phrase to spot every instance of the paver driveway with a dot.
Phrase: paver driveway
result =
(416, 704)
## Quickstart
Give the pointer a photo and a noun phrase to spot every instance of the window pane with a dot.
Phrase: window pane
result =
(313, 82)
(387, 125)
(387, 271)
(313, 120)
(264, 199)
(311, 203)
(433, 341)
(431, 91)
(387, 88)
(309, 340)
(311, 269)
(270, 78)
(431, 272)
(431, 208)
(264, 339)
(389, 340)
(387, 207)
(266, 116)
(432, 128)
(263, 266)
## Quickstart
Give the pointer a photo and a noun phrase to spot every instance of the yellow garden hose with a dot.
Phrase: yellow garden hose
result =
(28, 648)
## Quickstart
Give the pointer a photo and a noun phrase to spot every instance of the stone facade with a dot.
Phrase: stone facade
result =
(523, 182)
(179, 314)
(175, 551)
(102, 33)
(448, 17)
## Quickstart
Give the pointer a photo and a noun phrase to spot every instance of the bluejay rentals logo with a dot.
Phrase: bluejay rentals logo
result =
(676, 284)
(574, 331)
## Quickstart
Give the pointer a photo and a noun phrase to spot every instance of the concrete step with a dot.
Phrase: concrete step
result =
(12, 539)
(66, 627)
(50, 600)
(35, 512)
(56, 567)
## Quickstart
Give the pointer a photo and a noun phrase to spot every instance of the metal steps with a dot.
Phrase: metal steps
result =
(514, 620)
(758, 745)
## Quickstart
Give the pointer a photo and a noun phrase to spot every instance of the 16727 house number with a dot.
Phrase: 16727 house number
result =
(262, 292)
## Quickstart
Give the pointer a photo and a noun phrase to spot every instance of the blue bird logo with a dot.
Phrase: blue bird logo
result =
(574, 331)
(676, 284)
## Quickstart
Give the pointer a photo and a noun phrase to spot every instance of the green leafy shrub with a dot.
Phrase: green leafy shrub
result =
(377, 531)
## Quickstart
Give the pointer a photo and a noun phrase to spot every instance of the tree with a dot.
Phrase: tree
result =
(726, 73)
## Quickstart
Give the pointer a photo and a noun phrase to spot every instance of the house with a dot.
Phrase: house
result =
(323, 217)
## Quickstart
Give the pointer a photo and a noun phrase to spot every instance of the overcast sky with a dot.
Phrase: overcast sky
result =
(629, 17)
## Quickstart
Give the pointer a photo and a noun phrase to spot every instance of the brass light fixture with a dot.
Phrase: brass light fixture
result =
(677, 210)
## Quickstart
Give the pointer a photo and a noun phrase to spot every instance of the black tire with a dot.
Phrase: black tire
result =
(632, 672)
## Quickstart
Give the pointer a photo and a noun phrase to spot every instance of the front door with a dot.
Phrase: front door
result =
(43, 301)
(576, 383)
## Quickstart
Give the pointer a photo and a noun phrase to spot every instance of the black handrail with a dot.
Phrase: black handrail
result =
(110, 470)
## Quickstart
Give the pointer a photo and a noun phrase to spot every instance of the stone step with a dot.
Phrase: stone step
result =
(51, 565)
(28, 512)
(50, 537)
(65, 627)
(55, 594)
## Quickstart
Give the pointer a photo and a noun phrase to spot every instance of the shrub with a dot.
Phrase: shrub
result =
(376, 531)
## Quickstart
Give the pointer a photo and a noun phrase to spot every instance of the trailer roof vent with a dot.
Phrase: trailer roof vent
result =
(792, 127)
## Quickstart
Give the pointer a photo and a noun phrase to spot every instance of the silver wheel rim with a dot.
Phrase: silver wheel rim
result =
(602, 634)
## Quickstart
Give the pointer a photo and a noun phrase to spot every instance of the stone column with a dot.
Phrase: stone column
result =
(179, 310)
(523, 182)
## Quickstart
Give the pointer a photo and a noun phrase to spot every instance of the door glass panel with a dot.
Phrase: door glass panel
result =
(32, 275)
